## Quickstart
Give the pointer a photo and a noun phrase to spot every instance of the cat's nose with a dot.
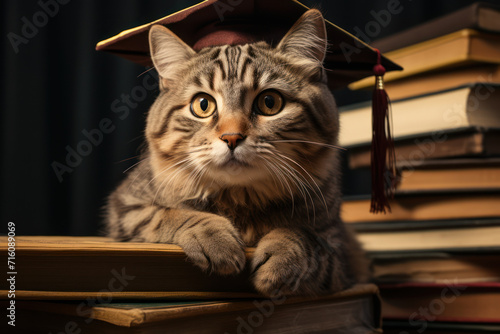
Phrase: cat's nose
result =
(232, 139)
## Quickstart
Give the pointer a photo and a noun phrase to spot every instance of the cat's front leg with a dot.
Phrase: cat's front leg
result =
(297, 261)
(210, 241)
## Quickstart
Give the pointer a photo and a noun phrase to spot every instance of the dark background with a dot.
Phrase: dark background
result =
(56, 86)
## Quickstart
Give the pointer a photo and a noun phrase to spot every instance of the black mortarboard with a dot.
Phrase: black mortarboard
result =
(218, 22)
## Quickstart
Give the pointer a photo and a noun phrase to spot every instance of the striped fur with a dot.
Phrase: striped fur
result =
(278, 190)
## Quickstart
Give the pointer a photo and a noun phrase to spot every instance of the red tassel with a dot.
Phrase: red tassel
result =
(383, 167)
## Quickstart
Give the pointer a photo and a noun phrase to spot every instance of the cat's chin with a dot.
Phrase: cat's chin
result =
(234, 164)
(231, 163)
(237, 173)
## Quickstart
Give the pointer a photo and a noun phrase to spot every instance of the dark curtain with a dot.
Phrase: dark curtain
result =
(56, 91)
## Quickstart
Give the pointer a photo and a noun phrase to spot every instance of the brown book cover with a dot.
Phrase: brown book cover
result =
(69, 268)
(473, 142)
(433, 238)
(451, 302)
(425, 206)
(480, 16)
(442, 80)
(418, 327)
(450, 175)
(436, 267)
(356, 310)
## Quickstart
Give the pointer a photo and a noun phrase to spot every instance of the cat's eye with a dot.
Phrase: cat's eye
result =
(203, 105)
(269, 103)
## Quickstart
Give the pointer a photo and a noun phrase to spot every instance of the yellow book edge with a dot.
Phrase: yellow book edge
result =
(94, 245)
(394, 55)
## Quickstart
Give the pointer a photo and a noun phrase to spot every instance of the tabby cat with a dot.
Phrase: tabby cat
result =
(241, 152)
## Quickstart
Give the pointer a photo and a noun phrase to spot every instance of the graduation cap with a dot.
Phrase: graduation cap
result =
(237, 22)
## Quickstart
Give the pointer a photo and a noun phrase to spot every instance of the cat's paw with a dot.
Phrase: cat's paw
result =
(214, 246)
(279, 266)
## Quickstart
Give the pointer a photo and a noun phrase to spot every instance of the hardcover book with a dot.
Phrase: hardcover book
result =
(470, 142)
(480, 16)
(461, 48)
(462, 108)
(68, 268)
(356, 310)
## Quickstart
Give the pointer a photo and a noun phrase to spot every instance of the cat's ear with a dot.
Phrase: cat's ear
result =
(307, 37)
(167, 51)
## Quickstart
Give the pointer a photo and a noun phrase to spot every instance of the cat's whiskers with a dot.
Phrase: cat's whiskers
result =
(147, 170)
(280, 169)
(191, 178)
(194, 178)
(309, 175)
(184, 154)
(127, 159)
(303, 183)
(272, 174)
(180, 169)
(160, 173)
(275, 172)
(138, 162)
(146, 71)
(283, 177)
(203, 171)
(199, 149)
(308, 142)
(169, 179)
(291, 173)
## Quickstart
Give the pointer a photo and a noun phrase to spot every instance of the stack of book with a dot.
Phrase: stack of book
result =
(97, 285)
(436, 255)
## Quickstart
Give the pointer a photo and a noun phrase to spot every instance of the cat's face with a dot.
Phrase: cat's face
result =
(242, 115)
